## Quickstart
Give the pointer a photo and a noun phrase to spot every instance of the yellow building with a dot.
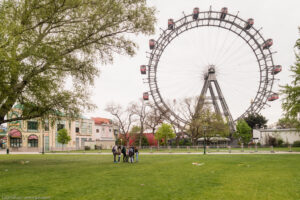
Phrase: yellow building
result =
(35, 134)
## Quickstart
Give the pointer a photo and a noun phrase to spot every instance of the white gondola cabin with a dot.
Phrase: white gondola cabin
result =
(143, 69)
(152, 44)
(249, 24)
(276, 69)
(195, 13)
(273, 97)
(145, 96)
(224, 12)
(170, 24)
(268, 43)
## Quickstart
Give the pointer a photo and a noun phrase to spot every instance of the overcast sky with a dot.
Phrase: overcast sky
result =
(237, 70)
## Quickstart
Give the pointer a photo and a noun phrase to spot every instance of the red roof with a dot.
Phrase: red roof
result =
(99, 120)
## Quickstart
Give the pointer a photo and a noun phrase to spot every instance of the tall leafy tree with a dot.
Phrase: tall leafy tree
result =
(47, 43)
(243, 131)
(291, 100)
(287, 122)
(63, 137)
(165, 131)
(255, 120)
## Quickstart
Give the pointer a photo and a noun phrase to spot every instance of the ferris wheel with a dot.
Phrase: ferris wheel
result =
(207, 63)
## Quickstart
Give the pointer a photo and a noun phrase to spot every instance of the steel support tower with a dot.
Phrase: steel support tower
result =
(212, 84)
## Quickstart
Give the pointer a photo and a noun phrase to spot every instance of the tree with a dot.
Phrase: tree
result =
(124, 118)
(165, 132)
(153, 118)
(287, 122)
(63, 137)
(140, 110)
(255, 120)
(291, 100)
(202, 123)
(46, 44)
(243, 131)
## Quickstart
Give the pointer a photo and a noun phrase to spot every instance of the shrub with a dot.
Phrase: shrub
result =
(280, 142)
(87, 148)
(272, 141)
(296, 143)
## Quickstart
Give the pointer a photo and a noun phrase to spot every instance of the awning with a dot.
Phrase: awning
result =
(32, 137)
(15, 133)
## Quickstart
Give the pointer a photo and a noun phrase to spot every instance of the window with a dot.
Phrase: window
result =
(60, 126)
(84, 128)
(97, 130)
(46, 125)
(32, 125)
(15, 142)
(33, 143)
(77, 129)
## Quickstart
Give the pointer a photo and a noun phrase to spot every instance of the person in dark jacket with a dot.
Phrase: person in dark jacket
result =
(131, 154)
(124, 153)
(136, 151)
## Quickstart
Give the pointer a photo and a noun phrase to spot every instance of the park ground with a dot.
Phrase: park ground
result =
(249, 176)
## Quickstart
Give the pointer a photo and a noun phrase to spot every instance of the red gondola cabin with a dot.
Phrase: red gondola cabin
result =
(273, 97)
(195, 13)
(152, 44)
(224, 12)
(268, 43)
(276, 69)
(170, 24)
(143, 69)
(146, 96)
(249, 24)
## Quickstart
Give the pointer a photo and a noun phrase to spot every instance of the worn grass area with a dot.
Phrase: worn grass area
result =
(154, 177)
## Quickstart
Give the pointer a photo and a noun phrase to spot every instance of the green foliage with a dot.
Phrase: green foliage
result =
(291, 100)
(243, 132)
(135, 130)
(165, 131)
(256, 120)
(63, 136)
(207, 124)
(288, 122)
(144, 141)
(296, 143)
(45, 44)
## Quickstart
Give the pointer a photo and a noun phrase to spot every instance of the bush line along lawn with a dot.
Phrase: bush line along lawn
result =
(154, 177)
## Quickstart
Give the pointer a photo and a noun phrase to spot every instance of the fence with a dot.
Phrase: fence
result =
(172, 149)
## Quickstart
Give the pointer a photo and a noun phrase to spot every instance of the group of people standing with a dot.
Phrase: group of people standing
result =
(128, 153)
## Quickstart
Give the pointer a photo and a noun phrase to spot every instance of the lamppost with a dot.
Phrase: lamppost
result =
(204, 140)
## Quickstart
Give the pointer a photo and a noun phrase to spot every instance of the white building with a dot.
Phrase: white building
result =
(289, 136)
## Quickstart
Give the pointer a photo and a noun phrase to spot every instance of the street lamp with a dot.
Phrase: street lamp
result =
(204, 139)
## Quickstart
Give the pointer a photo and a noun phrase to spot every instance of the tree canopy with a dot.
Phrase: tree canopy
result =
(256, 120)
(46, 44)
(291, 100)
(63, 136)
(243, 131)
(165, 131)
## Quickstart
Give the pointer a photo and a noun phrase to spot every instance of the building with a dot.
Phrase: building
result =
(104, 133)
(38, 135)
(3, 137)
(289, 136)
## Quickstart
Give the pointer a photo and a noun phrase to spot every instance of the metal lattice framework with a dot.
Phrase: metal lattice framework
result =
(252, 37)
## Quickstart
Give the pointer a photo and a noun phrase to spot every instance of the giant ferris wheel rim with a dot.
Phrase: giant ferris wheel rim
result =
(231, 23)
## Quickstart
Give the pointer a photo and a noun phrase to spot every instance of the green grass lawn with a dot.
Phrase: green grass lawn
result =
(154, 177)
